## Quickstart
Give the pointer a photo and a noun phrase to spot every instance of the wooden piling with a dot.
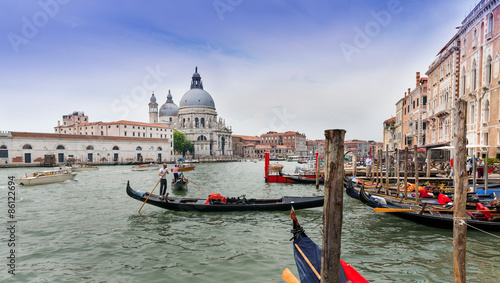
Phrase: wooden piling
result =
(332, 209)
(317, 169)
(406, 174)
(460, 196)
(428, 163)
(354, 165)
(486, 174)
(379, 164)
(397, 167)
(415, 157)
(387, 168)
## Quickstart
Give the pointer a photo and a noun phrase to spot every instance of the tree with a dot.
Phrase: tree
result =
(181, 145)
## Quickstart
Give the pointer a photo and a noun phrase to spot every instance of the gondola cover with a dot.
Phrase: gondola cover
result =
(304, 249)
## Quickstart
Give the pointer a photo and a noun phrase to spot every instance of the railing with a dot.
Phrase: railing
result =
(489, 34)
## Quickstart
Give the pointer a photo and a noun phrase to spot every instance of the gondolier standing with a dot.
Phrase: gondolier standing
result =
(163, 181)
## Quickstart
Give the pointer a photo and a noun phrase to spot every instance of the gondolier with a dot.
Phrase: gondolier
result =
(163, 181)
(368, 162)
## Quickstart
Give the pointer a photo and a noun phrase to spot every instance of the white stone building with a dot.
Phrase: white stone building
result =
(31, 148)
(196, 117)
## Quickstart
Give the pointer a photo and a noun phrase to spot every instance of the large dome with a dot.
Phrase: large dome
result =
(196, 96)
(169, 108)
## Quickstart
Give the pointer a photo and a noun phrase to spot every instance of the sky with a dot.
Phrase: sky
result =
(270, 65)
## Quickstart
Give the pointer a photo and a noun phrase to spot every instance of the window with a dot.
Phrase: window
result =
(488, 70)
(424, 100)
(60, 147)
(196, 122)
(27, 146)
(487, 111)
(3, 147)
(202, 138)
(159, 148)
(203, 122)
(472, 114)
(90, 147)
(473, 76)
(490, 26)
(138, 148)
(116, 147)
(463, 81)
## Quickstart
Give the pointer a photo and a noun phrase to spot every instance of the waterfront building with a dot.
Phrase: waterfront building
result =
(293, 143)
(444, 75)
(313, 145)
(24, 148)
(414, 109)
(244, 146)
(196, 117)
(389, 136)
(398, 126)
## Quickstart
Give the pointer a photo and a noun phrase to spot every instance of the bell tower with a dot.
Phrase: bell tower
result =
(153, 110)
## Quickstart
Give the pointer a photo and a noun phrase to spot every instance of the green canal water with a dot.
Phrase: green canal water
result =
(89, 230)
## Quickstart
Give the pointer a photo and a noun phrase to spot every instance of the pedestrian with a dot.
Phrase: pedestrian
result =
(163, 181)
(451, 171)
(175, 170)
(368, 163)
(480, 168)
(468, 166)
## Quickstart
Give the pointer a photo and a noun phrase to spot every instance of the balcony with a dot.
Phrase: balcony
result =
(489, 34)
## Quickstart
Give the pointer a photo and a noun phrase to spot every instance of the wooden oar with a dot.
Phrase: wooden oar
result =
(152, 191)
(383, 209)
(308, 262)
(288, 276)
(194, 183)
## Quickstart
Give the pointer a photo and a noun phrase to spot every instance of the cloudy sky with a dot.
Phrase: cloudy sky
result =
(277, 65)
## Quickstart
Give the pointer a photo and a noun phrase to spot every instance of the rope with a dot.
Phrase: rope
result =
(480, 230)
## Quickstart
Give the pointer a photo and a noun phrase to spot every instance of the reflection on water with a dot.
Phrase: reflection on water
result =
(89, 230)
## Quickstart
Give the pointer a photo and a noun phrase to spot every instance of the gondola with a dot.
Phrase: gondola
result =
(231, 204)
(431, 217)
(308, 259)
(180, 184)
(302, 179)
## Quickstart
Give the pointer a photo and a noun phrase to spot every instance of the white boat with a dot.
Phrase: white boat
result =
(46, 177)
(293, 158)
(145, 167)
(80, 168)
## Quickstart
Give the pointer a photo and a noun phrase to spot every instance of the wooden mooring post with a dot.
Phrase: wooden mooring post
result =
(428, 163)
(379, 164)
(317, 169)
(397, 169)
(332, 209)
(461, 182)
(354, 165)
(415, 157)
(387, 169)
(406, 174)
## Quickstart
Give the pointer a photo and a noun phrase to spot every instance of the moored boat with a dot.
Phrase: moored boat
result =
(180, 183)
(308, 259)
(145, 167)
(83, 167)
(185, 167)
(46, 177)
(226, 204)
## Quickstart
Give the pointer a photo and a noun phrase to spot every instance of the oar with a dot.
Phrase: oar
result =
(308, 262)
(194, 183)
(383, 209)
(152, 191)
(288, 276)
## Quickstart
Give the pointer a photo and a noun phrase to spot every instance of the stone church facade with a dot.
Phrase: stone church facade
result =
(196, 117)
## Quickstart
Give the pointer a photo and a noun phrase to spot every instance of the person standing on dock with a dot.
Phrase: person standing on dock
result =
(368, 163)
(480, 168)
(163, 181)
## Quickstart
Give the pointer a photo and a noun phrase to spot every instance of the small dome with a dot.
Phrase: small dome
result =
(197, 97)
(169, 108)
(153, 98)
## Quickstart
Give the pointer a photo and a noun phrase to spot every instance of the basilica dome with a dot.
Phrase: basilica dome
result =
(169, 108)
(197, 96)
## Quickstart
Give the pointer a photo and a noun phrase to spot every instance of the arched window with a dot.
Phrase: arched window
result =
(138, 148)
(474, 38)
(60, 146)
(488, 70)
(27, 146)
(3, 147)
(196, 122)
(184, 122)
(473, 75)
(472, 113)
(90, 147)
(202, 138)
(116, 147)
(203, 122)
(487, 111)
(159, 148)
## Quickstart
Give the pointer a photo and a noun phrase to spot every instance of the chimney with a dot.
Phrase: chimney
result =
(405, 94)
(58, 123)
(409, 91)
(418, 78)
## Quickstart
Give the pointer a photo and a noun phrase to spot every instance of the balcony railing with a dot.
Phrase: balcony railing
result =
(489, 34)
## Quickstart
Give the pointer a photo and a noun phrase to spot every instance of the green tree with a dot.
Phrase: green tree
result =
(181, 144)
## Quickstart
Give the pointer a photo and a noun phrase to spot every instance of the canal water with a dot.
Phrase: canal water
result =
(89, 230)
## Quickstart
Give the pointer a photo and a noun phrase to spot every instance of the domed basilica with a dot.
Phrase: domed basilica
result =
(196, 117)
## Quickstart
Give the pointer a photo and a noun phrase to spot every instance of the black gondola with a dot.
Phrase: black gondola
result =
(302, 179)
(430, 217)
(179, 184)
(232, 204)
